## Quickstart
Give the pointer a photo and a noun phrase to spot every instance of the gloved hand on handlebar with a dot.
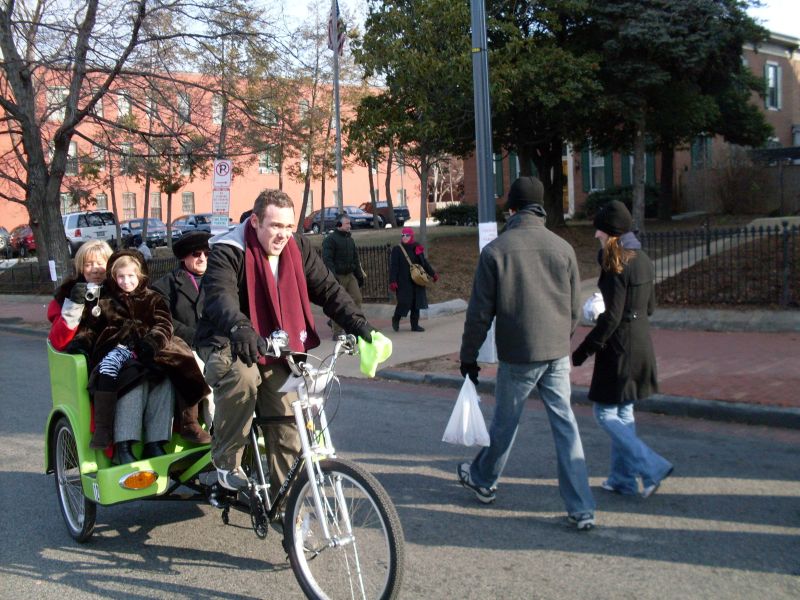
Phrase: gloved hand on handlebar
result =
(364, 331)
(373, 353)
(246, 344)
(78, 293)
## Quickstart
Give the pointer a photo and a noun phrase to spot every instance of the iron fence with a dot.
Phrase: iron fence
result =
(742, 266)
(30, 278)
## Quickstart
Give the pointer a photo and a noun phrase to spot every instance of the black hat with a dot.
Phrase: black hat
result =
(524, 191)
(189, 242)
(613, 218)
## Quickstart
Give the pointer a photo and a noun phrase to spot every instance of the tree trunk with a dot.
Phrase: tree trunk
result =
(424, 170)
(667, 152)
(372, 195)
(389, 204)
(547, 158)
(638, 176)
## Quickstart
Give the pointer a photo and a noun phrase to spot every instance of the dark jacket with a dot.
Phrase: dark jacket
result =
(527, 278)
(625, 365)
(185, 302)
(225, 288)
(340, 255)
(128, 319)
(408, 292)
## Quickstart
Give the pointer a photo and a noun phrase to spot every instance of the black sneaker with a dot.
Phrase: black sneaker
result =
(484, 495)
(582, 521)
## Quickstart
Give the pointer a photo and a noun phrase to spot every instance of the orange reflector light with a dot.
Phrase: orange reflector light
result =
(138, 480)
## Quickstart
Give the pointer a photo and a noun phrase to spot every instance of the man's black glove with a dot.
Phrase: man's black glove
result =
(364, 331)
(78, 293)
(146, 350)
(471, 370)
(79, 345)
(246, 344)
(579, 356)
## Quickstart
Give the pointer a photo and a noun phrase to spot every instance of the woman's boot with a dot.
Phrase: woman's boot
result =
(190, 426)
(153, 449)
(104, 406)
(396, 323)
(415, 323)
(124, 452)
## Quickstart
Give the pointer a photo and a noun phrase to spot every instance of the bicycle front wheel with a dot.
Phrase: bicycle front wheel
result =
(364, 556)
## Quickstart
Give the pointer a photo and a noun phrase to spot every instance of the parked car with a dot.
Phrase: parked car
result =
(80, 227)
(21, 241)
(194, 222)
(131, 232)
(316, 223)
(5, 248)
(401, 213)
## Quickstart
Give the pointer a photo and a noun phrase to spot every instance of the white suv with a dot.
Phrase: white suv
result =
(80, 227)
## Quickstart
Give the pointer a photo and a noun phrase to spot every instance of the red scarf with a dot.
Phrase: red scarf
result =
(282, 306)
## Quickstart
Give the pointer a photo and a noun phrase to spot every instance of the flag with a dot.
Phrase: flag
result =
(336, 34)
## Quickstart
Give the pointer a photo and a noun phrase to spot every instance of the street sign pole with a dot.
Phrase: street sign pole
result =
(221, 195)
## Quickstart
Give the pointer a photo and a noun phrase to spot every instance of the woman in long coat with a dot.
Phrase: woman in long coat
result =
(625, 364)
(410, 296)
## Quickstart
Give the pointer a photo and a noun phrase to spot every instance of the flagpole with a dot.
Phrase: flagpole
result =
(337, 115)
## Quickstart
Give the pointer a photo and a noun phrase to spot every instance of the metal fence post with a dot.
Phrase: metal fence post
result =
(785, 286)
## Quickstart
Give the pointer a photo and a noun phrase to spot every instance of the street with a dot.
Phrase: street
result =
(725, 525)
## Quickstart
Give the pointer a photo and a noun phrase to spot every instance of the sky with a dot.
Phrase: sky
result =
(779, 16)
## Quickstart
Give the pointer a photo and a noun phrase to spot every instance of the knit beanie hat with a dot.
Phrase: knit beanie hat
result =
(613, 218)
(524, 191)
(408, 231)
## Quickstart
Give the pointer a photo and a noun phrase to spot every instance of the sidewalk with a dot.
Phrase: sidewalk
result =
(745, 366)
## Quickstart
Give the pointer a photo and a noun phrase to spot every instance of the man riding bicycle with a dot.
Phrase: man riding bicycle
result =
(261, 277)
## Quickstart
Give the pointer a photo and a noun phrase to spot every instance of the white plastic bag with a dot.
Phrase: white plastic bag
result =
(466, 426)
(593, 308)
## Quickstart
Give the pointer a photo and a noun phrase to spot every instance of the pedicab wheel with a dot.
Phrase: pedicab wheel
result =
(364, 560)
(79, 512)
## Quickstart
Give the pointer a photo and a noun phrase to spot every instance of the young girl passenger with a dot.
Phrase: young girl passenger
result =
(131, 343)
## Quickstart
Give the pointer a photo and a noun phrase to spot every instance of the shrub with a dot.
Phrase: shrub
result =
(623, 193)
(463, 214)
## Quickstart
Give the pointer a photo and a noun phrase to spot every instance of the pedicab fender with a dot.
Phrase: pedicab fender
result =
(100, 478)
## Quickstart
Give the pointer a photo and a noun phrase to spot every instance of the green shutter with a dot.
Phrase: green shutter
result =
(766, 85)
(586, 168)
(512, 166)
(498, 175)
(650, 168)
(609, 169)
(626, 169)
(695, 152)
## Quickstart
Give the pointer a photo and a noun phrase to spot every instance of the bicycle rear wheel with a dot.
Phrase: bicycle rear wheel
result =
(364, 560)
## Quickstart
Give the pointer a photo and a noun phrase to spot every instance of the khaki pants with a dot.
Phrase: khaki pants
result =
(350, 284)
(237, 390)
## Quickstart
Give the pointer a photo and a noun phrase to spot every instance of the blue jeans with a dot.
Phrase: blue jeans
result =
(630, 456)
(515, 382)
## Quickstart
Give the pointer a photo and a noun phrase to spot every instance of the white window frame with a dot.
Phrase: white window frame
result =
(101, 201)
(216, 109)
(125, 158)
(99, 156)
(71, 168)
(128, 205)
(597, 162)
(773, 74)
(266, 162)
(68, 204)
(401, 195)
(187, 202)
(184, 106)
(155, 205)
(124, 107)
(56, 103)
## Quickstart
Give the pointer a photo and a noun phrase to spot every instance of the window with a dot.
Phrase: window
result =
(772, 75)
(268, 116)
(56, 103)
(102, 201)
(97, 110)
(184, 107)
(155, 205)
(597, 171)
(128, 205)
(303, 107)
(126, 158)
(216, 109)
(187, 202)
(701, 152)
(123, 104)
(68, 204)
(152, 107)
(401, 196)
(186, 164)
(72, 160)
(268, 161)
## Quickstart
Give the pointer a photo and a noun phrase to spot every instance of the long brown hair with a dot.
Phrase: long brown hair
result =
(615, 257)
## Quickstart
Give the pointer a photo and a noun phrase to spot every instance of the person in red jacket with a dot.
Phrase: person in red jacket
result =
(70, 305)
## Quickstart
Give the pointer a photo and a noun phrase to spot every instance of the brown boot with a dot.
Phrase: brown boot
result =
(105, 404)
(190, 426)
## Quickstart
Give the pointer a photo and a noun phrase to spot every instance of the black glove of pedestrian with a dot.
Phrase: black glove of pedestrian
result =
(579, 356)
(146, 350)
(79, 345)
(359, 278)
(471, 370)
(78, 293)
(247, 345)
(364, 331)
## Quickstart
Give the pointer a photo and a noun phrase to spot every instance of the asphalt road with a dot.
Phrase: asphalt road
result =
(726, 525)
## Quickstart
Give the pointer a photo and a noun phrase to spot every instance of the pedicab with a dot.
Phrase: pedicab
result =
(341, 531)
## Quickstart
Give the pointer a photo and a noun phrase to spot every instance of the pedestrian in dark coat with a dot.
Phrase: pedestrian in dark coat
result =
(410, 296)
(185, 297)
(625, 364)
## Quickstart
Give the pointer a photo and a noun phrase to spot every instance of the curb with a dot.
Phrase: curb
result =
(676, 406)
(24, 330)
